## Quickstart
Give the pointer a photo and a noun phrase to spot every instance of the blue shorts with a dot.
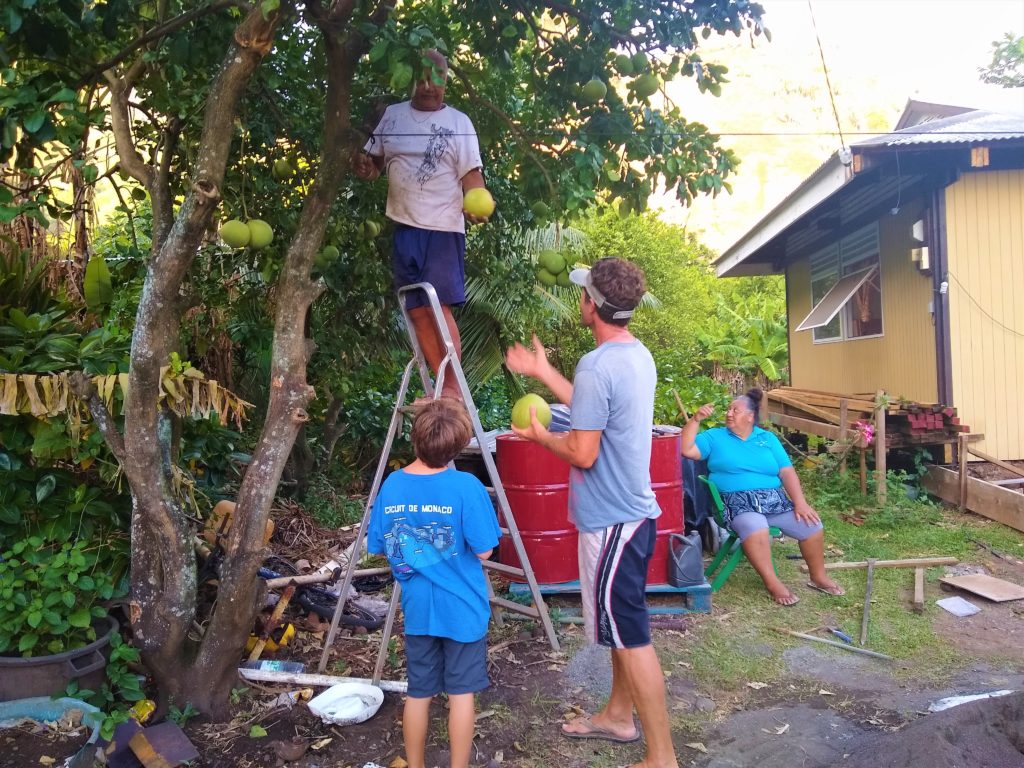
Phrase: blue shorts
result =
(440, 664)
(613, 583)
(426, 256)
(747, 512)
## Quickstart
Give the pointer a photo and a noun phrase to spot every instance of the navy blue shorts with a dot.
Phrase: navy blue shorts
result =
(440, 664)
(426, 256)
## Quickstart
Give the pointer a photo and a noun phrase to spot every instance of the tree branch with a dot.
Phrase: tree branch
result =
(521, 138)
(85, 390)
(120, 124)
(586, 18)
(156, 33)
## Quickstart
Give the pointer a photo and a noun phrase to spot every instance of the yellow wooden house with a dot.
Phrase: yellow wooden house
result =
(904, 264)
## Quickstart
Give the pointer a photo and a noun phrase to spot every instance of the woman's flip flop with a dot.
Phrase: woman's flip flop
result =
(836, 592)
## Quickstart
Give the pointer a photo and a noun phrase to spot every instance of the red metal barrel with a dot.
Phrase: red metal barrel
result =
(667, 483)
(536, 483)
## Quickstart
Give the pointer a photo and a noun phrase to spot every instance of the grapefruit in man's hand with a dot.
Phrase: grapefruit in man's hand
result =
(478, 202)
(521, 411)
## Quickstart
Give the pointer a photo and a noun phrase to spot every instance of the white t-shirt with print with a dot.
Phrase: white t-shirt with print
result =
(426, 154)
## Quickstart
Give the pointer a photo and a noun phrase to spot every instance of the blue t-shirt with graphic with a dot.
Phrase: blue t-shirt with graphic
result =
(735, 464)
(430, 527)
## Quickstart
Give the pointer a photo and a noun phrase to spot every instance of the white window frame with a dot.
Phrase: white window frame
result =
(853, 249)
(835, 301)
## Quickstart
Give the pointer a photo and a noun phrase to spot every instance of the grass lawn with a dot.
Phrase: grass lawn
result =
(736, 644)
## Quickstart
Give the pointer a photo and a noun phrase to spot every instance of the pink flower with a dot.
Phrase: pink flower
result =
(867, 432)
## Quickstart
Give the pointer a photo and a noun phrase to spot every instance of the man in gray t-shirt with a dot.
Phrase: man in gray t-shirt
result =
(610, 498)
(613, 392)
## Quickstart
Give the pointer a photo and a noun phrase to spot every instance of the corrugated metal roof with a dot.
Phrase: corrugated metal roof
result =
(969, 128)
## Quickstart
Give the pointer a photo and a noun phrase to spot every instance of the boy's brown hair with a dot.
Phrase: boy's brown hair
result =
(440, 431)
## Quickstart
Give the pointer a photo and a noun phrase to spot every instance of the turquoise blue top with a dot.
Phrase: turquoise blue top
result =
(430, 527)
(735, 464)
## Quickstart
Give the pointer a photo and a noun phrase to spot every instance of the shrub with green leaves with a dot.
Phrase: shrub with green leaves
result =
(50, 595)
(121, 688)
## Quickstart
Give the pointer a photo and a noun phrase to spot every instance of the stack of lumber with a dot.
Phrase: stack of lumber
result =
(907, 423)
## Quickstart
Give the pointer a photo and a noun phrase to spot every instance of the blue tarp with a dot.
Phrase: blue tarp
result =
(43, 709)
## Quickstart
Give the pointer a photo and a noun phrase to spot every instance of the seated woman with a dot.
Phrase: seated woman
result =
(749, 466)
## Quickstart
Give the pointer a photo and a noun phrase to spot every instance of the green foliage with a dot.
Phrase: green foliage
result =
(494, 403)
(97, 286)
(210, 453)
(677, 377)
(748, 335)
(120, 689)
(678, 273)
(181, 716)
(238, 693)
(329, 507)
(526, 62)
(50, 596)
(38, 342)
(50, 501)
(1007, 65)
(22, 279)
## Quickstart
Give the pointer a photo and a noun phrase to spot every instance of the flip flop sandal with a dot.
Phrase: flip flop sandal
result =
(599, 733)
(827, 591)
(793, 595)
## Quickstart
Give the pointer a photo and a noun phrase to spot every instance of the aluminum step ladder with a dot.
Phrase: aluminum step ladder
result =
(450, 362)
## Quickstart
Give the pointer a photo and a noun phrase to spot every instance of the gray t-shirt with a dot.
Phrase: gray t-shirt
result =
(613, 391)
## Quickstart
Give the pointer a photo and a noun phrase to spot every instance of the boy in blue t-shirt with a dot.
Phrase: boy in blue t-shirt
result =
(435, 525)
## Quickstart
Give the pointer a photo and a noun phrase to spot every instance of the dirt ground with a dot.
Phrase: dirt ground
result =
(984, 470)
(832, 707)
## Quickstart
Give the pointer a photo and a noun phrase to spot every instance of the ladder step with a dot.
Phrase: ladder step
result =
(509, 570)
(514, 607)
(504, 531)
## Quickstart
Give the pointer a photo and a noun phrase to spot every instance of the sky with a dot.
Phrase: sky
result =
(879, 54)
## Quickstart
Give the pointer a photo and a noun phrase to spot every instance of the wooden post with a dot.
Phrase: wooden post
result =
(961, 454)
(919, 590)
(880, 409)
(863, 472)
(867, 603)
(843, 418)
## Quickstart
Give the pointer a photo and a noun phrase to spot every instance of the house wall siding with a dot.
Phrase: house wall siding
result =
(985, 248)
(902, 360)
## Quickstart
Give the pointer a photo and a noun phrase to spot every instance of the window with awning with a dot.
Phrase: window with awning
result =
(846, 289)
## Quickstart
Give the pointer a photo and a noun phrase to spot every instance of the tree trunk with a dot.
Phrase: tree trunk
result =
(212, 672)
(333, 430)
(163, 574)
(301, 465)
(164, 601)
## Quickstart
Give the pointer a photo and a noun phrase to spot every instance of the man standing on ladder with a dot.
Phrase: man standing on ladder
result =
(432, 157)
(610, 499)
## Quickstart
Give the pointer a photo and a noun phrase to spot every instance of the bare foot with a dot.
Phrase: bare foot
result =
(783, 596)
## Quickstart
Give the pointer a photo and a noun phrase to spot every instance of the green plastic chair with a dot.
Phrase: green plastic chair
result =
(730, 551)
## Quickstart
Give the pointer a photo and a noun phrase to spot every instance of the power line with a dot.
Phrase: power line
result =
(828, 82)
(982, 309)
(941, 138)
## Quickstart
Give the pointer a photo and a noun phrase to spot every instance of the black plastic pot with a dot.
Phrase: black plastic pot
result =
(22, 677)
